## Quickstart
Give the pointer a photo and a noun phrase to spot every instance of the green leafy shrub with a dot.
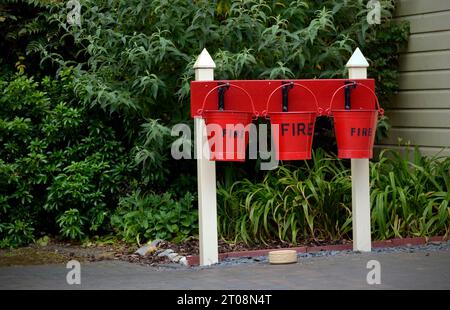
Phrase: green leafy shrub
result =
(143, 217)
(134, 58)
(60, 163)
(15, 234)
(26, 26)
(126, 69)
(75, 142)
(71, 223)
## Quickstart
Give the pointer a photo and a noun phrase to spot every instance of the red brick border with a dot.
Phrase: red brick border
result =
(194, 260)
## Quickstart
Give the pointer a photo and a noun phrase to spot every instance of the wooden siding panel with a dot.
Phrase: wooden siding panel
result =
(419, 136)
(439, 21)
(411, 7)
(420, 118)
(434, 41)
(421, 99)
(420, 112)
(425, 80)
(425, 61)
(424, 150)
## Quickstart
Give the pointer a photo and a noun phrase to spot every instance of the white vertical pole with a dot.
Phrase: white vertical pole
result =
(206, 175)
(357, 69)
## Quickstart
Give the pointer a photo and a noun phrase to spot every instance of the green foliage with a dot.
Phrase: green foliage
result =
(289, 204)
(134, 57)
(58, 160)
(151, 153)
(408, 198)
(143, 217)
(384, 47)
(72, 146)
(17, 233)
(42, 242)
(27, 29)
(71, 223)
(127, 68)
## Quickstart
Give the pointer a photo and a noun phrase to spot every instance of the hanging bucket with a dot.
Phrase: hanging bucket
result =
(293, 132)
(355, 128)
(228, 131)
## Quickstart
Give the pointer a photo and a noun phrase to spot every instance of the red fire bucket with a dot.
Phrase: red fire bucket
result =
(355, 129)
(293, 132)
(228, 131)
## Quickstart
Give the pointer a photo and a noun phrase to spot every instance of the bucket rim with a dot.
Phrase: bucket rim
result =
(355, 110)
(292, 113)
(228, 111)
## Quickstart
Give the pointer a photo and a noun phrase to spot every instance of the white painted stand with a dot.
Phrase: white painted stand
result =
(357, 69)
(206, 175)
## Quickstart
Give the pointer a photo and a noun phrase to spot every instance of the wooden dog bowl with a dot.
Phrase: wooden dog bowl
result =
(283, 257)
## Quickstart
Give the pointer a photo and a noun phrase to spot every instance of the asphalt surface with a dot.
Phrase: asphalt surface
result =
(426, 267)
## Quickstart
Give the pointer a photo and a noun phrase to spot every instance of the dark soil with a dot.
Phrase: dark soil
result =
(191, 246)
(57, 252)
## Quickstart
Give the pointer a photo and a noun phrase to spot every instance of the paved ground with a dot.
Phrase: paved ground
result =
(422, 269)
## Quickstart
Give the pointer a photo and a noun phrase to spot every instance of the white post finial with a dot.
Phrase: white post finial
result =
(357, 69)
(204, 61)
(206, 175)
(357, 65)
(357, 60)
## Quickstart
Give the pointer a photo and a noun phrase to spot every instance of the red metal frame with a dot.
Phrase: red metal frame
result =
(300, 99)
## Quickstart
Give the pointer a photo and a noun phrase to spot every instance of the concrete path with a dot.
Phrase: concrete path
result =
(417, 270)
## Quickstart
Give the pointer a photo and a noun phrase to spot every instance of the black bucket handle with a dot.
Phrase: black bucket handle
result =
(318, 109)
(200, 111)
(380, 110)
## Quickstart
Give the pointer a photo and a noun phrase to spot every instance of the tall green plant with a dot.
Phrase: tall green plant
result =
(289, 204)
(313, 201)
(410, 197)
(143, 217)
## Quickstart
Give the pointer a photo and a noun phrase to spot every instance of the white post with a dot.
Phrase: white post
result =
(206, 175)
(357, 69)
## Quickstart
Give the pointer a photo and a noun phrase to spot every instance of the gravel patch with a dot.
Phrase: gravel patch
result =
(430, 247)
